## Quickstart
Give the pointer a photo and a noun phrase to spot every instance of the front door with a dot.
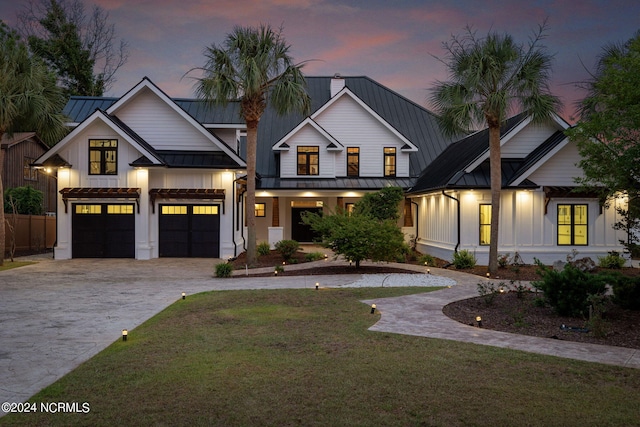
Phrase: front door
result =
(301, 232)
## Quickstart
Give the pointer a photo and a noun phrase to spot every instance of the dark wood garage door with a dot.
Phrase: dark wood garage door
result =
(103, 231)
(189, 231)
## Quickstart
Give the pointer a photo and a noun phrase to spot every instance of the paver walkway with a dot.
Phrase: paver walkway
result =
(56, 314)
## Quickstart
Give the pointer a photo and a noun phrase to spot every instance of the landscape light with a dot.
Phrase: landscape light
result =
(488, 274)
(184, 295)
(428, 271)
(373, 308)
(125, 333)
(275, 272)
(317, 284)
(479, 320)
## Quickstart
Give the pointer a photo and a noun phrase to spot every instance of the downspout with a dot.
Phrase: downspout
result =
(417, 222)
(458, 205)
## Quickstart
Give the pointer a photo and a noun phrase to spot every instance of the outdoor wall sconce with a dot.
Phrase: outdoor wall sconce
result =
(479, 320)
(184, 295)
(125, 333)
(317, 284)
(373, 308)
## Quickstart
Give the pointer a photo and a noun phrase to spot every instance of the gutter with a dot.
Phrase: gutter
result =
(235, 221)
(458, 205)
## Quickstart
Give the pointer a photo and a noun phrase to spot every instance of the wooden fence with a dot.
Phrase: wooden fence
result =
(34, 233)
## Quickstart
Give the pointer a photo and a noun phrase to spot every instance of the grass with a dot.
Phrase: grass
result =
(306, 358)
(8, 265)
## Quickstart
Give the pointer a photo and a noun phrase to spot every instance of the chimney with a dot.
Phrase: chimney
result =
(337, 83)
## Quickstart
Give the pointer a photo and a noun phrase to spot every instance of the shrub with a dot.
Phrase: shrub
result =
(264, 249)
(463, 259)
(568, 290)
(613, 260)
(314, 256)
(427, 259)
(224, 269)
(626, 292)
(488, 291)
(503, 260)
(287, 248)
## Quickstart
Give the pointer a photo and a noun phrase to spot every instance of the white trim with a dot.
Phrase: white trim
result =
(146, 83)
(283, 146)
(541, 162)
(346, 92)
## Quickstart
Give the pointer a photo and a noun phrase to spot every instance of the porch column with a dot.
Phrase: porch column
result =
(275, 213)
(408, 213)
(276, 233)
(340, 203)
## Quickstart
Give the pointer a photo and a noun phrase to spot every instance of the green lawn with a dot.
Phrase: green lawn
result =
(8, 264)
(306, 358)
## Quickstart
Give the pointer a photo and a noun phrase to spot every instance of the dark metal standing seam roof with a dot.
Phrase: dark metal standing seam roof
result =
(411, 120)
(448, 168)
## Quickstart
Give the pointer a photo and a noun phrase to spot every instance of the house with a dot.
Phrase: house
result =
(140, 178)
(541, 214)
(148, 176)
(20, 151)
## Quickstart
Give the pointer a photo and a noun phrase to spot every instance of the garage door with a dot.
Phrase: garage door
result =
(103, 231)
(189, 231)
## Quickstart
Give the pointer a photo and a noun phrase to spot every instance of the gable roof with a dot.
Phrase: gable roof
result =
(18, 137)
(464, 165)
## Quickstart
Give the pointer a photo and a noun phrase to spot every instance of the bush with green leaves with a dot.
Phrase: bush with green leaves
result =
(463, 259)
(27, 199)
(427, 260)
(263, 249)
(224, 269)
(313, 256)
(626, 292)
(613, 260)
(568, 290)
(287, 248)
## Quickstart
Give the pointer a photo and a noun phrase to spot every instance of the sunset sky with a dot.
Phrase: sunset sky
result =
(393, 42)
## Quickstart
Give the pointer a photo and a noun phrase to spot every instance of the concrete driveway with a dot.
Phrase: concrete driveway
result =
(55, 315)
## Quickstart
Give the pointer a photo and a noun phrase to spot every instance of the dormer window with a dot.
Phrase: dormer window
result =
(103, 155)
(308, 160)
(353, 161)
(389, 162)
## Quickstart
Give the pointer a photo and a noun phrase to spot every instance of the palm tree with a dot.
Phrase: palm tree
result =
(253, 66)
(29, 100)
(490, 77)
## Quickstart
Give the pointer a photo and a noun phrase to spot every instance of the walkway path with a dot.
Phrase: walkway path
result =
(54, 315)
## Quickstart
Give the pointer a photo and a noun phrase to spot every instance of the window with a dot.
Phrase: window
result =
(120, 209)
(261, 210)
(308, 159)
(88, 209)
(28, 172)
(174, 210)
(485, 224)
(349, 208)
(572, 224)
(389, 161)
(353, 161)
(103, 154)
(205, 210)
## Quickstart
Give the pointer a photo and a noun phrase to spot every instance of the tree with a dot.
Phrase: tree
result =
(382, 204)
(370, 232)
(253, 66)
(23, 200)
(29, 99)
(490, 77)
(81, 49)
(608, 133)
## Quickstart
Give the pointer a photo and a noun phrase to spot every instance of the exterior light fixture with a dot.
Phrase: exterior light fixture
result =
(284, 263)
(317, 284)
(428, 271)
(502, 290)
(125, 333)
(275, 272)
(373, 308)
(184, 295)
(488, 274)
(479, 320)
(326, 257)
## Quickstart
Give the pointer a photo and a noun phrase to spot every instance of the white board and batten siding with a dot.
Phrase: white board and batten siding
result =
(161, 126)
(352, 126)
(561, 169)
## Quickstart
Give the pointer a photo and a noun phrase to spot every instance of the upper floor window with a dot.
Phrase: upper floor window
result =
(572, 224)
(353, 161)
(308, 160)
(103, 154)
(485, 224)
(28, 172)
(389, 161)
